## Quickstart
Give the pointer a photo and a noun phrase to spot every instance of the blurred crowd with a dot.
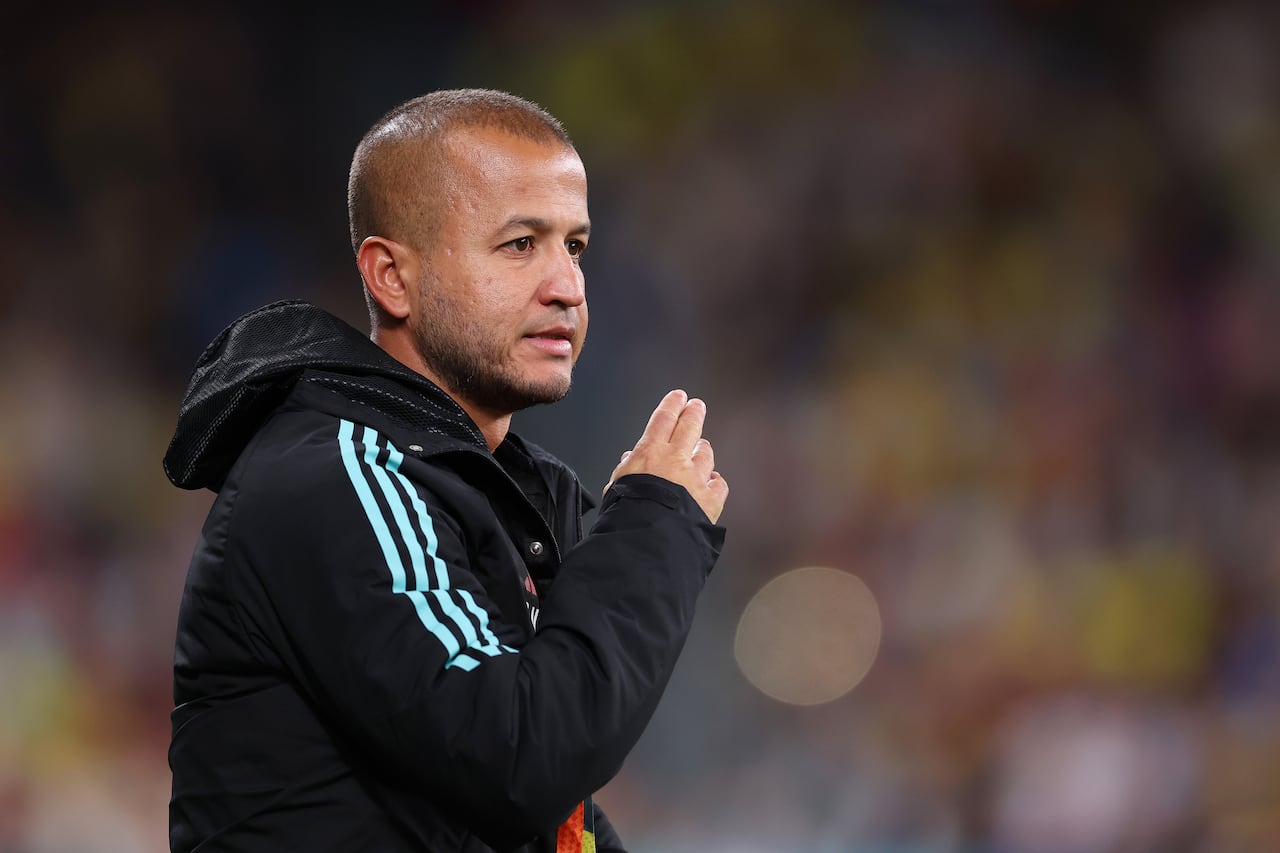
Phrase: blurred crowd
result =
(983, 298)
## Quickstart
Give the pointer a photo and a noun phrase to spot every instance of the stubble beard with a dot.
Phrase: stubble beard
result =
(472, 363)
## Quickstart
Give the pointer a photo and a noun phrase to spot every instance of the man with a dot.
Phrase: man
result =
(394, 635)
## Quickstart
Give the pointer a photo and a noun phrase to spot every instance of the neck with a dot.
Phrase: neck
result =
(492, 425)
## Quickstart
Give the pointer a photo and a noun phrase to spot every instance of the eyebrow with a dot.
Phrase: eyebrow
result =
(537, 223)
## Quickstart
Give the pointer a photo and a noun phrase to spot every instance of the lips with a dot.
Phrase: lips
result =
(557, 333)
(553, 340)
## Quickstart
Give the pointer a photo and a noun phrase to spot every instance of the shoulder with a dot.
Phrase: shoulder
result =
(319, 462)
(291, 452)
(314, 486)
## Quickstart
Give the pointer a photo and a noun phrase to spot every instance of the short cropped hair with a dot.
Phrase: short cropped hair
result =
(399, 173)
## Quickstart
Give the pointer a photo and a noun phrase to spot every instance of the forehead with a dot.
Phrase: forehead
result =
(494, 167)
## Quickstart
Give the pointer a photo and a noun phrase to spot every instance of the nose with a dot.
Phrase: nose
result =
(563, 283)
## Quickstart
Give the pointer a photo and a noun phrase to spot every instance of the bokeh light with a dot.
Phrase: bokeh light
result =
(809, 636)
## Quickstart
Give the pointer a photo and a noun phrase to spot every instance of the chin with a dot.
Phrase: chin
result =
(514, 395)
(549, 379)
(548, 389)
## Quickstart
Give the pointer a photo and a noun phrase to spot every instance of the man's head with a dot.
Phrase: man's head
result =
(400, 180)
(468, 216)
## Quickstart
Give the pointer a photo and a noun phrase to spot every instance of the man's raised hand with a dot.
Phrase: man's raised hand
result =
(673, 448)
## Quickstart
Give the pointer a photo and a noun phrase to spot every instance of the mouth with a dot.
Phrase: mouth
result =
(554, 340)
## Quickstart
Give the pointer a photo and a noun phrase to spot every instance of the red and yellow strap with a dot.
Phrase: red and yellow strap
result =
(577, 834)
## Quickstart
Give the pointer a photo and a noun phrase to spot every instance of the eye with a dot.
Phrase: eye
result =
(576, 248)
(521, 244)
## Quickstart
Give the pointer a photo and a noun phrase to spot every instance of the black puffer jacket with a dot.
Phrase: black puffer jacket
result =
(390, 638)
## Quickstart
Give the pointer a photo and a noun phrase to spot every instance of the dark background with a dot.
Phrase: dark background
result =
(983, 298)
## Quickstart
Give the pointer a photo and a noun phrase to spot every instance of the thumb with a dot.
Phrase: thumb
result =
(625, 456)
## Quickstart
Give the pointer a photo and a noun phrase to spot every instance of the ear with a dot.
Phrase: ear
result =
(389, 270)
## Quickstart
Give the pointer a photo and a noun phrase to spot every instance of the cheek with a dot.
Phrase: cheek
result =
(582, 328)
(488, 299)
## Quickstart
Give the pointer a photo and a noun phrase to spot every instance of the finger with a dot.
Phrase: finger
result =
(664, 418)
(704, 455)
(617, 469)
(712, 500)
(621, 463)
(718, 485)
(689, 428)
(613, 478)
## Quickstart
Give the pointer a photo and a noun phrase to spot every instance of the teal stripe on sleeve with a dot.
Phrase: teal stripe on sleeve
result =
(390, 553)
(487, 642)
(409, 536)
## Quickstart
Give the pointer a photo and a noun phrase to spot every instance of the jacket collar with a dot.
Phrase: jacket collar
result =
(252, 365)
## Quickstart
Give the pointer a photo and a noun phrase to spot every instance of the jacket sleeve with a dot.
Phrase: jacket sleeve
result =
(359, 581)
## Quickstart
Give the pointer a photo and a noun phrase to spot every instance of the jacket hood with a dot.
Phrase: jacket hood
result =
(248, 369)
